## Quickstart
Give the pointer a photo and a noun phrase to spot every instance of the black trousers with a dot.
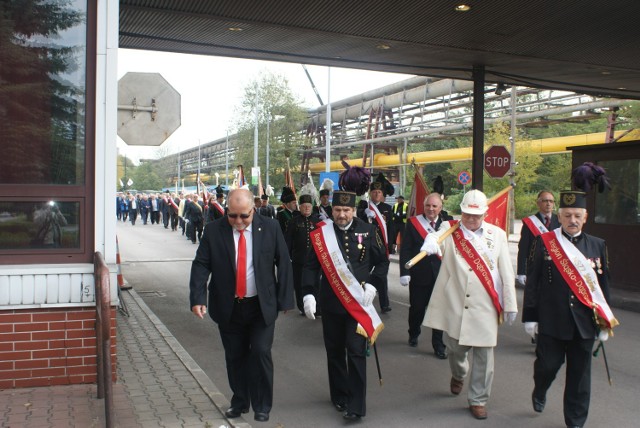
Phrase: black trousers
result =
(165, 220)
(383, 293)
(174, 221)
(133, 215)
(247, 345)
(419, 296)
(551, 353)
(346, 361)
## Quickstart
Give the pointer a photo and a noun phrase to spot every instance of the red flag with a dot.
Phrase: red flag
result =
(498, 212)
(419, 191)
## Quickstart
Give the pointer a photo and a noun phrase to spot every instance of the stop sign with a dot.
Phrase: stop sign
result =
(497, 161)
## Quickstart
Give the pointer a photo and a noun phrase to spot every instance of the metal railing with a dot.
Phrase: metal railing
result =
(103, 336)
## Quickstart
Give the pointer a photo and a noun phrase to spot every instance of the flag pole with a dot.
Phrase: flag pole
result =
(422, 254)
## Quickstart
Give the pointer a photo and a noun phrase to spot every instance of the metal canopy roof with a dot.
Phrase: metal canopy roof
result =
(588, 46)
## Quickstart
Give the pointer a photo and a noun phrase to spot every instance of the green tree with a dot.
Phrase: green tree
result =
(145, 177)
(278, 106)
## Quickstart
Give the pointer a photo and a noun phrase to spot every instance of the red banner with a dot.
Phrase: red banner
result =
(498, 212)
(419, 191)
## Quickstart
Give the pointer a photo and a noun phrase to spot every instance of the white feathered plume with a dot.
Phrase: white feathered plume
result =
(327, 184)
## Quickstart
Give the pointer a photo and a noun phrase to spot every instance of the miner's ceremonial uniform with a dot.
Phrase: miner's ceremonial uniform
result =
(297, 238)
(566, 326)
(363, 250)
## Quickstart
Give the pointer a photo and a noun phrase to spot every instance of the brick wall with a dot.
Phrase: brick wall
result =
(42, 347)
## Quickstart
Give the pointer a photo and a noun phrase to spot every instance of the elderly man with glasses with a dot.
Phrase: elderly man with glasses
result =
(244, 297)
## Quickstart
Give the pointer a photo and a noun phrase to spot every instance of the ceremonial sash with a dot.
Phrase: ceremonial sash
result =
(423, 227)
(487, 277)
(322, 211)
(535, 225)
(173, 204)
(342, 281)
(577, 272)
(218, 207)
(381, 224)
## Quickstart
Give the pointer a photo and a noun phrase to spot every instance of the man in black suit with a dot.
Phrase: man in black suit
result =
(363, 251)
(245, 304)
(560, 310)
(422, 277)
(534, 225)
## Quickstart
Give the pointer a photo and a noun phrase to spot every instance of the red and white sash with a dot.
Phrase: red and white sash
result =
(488, 275)
(342, 282)
(382, 224)
(217, 205)
(535, 225)
(578, 274)
(423, 227)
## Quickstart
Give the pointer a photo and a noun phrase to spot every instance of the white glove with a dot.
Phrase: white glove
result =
(603, 335)
(522, 279)
(186, 220)
(531, 328)
(369, 294)
(430, 246)
(309, 306)
(510, 317)
(404, 280)
(369, 213)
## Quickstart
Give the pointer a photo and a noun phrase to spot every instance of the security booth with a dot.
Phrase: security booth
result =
(614, 215)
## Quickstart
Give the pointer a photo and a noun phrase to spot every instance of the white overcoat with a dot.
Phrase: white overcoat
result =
(460, 305)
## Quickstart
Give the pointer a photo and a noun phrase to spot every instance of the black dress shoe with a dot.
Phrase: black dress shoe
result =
(350, 416)
(386, 309)
(538, 405)
(413, 342)
(441, 354)
(341, 407)
(261, 417)
(235, 412)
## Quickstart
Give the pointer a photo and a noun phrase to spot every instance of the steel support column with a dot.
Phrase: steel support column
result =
(477, 165)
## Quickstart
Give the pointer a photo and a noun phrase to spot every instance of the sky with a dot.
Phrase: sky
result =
(212, 87)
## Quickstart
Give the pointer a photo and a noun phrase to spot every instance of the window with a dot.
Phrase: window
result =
(46, 130)
(621, 204)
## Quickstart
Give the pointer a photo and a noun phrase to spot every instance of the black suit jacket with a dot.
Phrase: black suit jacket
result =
(426, 270)
(526, 242)
(216, 254)
(548, 299)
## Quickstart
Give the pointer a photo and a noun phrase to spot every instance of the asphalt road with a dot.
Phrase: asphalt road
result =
(415, 390)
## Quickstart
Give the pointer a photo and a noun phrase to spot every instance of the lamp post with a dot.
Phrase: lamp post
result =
(267, 157)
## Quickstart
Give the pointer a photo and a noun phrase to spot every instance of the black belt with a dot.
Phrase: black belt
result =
(245, 299)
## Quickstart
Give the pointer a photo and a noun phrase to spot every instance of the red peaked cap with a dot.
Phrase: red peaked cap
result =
(354, 179)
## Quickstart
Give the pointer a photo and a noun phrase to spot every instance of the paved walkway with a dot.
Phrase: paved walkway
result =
(159, 385)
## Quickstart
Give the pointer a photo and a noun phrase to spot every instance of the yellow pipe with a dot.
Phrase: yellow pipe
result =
(541, 146)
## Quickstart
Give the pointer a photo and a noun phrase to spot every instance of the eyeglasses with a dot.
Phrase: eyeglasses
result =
(242, 216)
(550, 201)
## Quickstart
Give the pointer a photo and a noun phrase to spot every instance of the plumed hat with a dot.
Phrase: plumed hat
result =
(438, 185)
(589, 175)
(354, 179)
(381, 183)
(219, 192)
(326, 187)
(287, 195)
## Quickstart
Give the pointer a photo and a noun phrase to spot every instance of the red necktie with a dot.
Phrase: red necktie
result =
(547, 222)
(433, 225)
(241, 271)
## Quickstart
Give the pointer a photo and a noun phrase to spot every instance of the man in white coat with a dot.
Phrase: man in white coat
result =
(473, 294)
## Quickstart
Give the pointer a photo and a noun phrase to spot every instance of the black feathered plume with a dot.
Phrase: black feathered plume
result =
(387, 187)
(438, 185)
(354, 179)
(589, 175)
